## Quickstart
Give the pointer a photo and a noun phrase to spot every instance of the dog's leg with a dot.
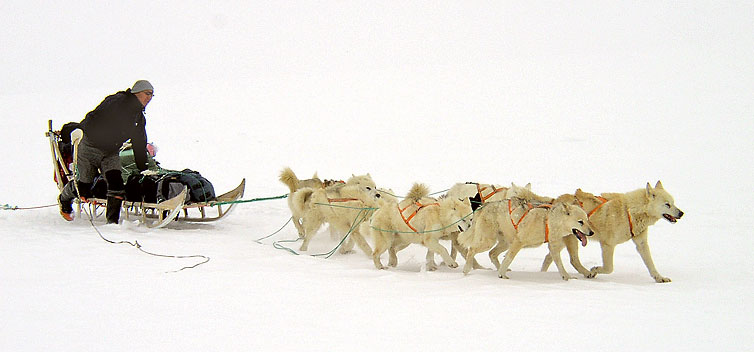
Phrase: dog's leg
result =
(501, 247)
(572, 245)
(361, 242)
(296, 217)
(464, 253)
(546, 262)
(512, 251)
(347, 246)
(299, 227)
(381, 244)
(393, 252)
(312, 221)
(434, 245)
(454, 241)
(431, 264)
(309, 231)
(470, 261)
(642, 246)
(607, 260)
(555, 250)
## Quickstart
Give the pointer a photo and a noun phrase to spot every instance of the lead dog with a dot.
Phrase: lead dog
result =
(417, 219)
(620, 217)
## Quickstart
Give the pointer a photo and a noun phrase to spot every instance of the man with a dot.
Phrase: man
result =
(116, 119)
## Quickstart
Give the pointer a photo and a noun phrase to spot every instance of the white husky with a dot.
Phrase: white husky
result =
(289, 178)
(417, 219)
(340, 205)
(619, 217)
(515, 224)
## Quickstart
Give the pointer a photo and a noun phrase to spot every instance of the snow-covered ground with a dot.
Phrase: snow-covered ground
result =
(605, 96)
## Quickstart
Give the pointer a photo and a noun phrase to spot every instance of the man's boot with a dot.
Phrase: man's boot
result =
(115, 195)
(112, 212)
(66, 209)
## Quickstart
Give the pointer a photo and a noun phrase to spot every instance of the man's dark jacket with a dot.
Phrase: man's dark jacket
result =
(117, 119)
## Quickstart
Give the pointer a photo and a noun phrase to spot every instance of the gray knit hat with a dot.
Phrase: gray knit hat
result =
(142, 85)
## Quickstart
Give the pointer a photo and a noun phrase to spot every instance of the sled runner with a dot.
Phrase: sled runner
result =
(177, 202)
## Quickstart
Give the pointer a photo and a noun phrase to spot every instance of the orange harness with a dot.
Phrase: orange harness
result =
(604, 200)
(420, 206)
(529, 207)
(630, 223)
(484, 198)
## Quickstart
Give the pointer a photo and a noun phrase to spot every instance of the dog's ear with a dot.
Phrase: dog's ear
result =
(659, 185)
(650, 194)
(566, 210)
(528, 186)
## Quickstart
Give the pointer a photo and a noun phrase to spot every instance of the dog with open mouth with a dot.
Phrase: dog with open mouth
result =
(619, 217)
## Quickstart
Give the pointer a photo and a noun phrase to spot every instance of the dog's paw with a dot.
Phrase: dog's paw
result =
(661, 279)
(594, 271)
(567, 277)
(503, 276)
(453, 265)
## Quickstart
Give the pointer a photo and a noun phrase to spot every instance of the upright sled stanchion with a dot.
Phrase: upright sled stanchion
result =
(153, 215)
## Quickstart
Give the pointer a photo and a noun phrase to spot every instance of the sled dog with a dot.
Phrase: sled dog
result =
(289, 178)
(339, 205)
(494, 216)
(517, 223)
(478, 194)
(417, 219)
(619, 217)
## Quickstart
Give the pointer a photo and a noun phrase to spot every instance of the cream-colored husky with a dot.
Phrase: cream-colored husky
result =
(417, 219)
(619, 217)
(547, 225)
(289, 178)
(339, 205)
(517, 223)
(478, 194)
(496, 215)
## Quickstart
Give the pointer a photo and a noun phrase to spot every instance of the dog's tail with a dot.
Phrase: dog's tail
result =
(301, 200)
(289, 179)
(417, 192)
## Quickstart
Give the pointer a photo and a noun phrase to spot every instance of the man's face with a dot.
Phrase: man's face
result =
(144, 97)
